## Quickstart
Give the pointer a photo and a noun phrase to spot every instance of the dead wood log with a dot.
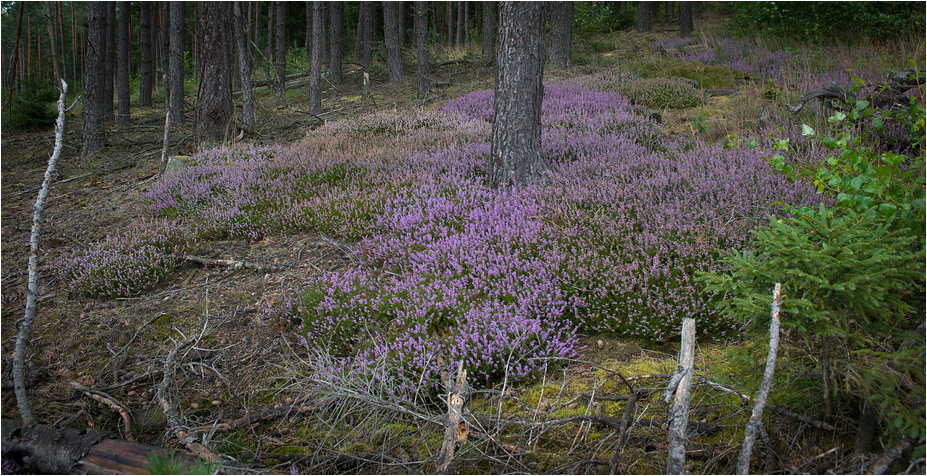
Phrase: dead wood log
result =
(455, 426)
(887, 95)
(52, 450)
(678, 392)
(882, 465)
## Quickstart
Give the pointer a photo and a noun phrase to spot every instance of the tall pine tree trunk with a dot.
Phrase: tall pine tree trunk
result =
(391, 39)
(489, 30)
(315, 79)
(165, 45)
(280, 53)
(460, 24)
(516, 130)
(95, 79)
(561, 34)
(421, 42)
(122, 71)
(110, 58)
(337, 41)
(214, 104)
(244, 65)
(178, 44)
(685, 19)
(146, 60)
(644, 16)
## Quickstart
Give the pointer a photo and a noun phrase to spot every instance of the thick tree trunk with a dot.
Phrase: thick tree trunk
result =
(685, 19)
(95, 79)
(450, 24)
(370, 34)
(391, 39)
(669, 10)
(561, 34)
(308, 40)
(360, 34)
(421, 42)
(110, 59)
(644, 16)
(280, 54)
(489, 29)
(401, 21)
(146, 62)
(315, 81)
(269, 44)
(122, 72)
(337, 41)
(178, 44)
(516, 129)
(214, 104)
(244, 65)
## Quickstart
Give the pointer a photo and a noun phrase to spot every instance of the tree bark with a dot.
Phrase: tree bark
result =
(110, 60)
(516, 129)
(468, 36)
(669, 10)
(122, 72)
(280, 54)
(308, 40)
(679, 393)
(644, 16)
(146, 61)
(421, 42)
(95, 79)
(370, 34)
(244, 65)
(360, 34)
(450, 24)
(214, 104)
(391, 39)
(401, 22)
(51, 25)
(456, 428)
(489, 30)
(315, 80)
(165, 47)
(561, 34)
(337, 41)
(178, 44)
(460, 24)
(685, 19)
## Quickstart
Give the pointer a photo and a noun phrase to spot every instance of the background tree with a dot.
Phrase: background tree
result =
(280, 53)
(245, 65)
(165, 41)
(178, 43)
(95, 79)
(685, 18)
(461, 26)
(489, 30)
(122, 71)
(336, 22)
(391, 39)
(214, 104)
(516, 130)
(110, 60)
(644, 16)
(315, 79)
(669, 10)
(421, 42)
(145, 52)
(561, 34)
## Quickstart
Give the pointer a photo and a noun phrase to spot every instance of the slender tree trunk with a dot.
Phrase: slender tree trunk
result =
(280, 54)
(561, 34)
(28, 68)
(370, 34)
(326, 50)
(489, 30)
(165, 45)
(108, 95)
(468, 36)
(146, 58)
(214, 104)
(421, 42)
(460, 24)
(450, 24)
(669, 12)
(308, 40)
(685, 19)
(644, 13)
(337, 41)
(51, 24)
(74, 55)
(516, 130)
(391, 38)
(244, 66)
(315, 81)
(360, 34)
(122, 71)
(178, 44)
(401, 21)
(95, 79)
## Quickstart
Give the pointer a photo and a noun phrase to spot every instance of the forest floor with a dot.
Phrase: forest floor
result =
(119, 345)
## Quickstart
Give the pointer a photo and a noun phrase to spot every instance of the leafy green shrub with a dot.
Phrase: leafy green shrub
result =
(34, 107)
(591, 18)
(659, 93)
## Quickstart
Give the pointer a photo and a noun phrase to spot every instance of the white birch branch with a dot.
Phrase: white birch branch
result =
(25, 329)
(756, 419)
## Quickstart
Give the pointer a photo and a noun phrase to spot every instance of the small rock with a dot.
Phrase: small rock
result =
(599, 343)
(216, 403)
(195, 406)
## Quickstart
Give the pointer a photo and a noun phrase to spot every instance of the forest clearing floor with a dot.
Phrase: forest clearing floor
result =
(240, 365)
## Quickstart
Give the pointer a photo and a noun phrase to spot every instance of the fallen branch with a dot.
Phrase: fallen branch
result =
(110, 402)
(756, 418)
(25, 328)
(881, 465)
(455, 427)
(678, 392)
